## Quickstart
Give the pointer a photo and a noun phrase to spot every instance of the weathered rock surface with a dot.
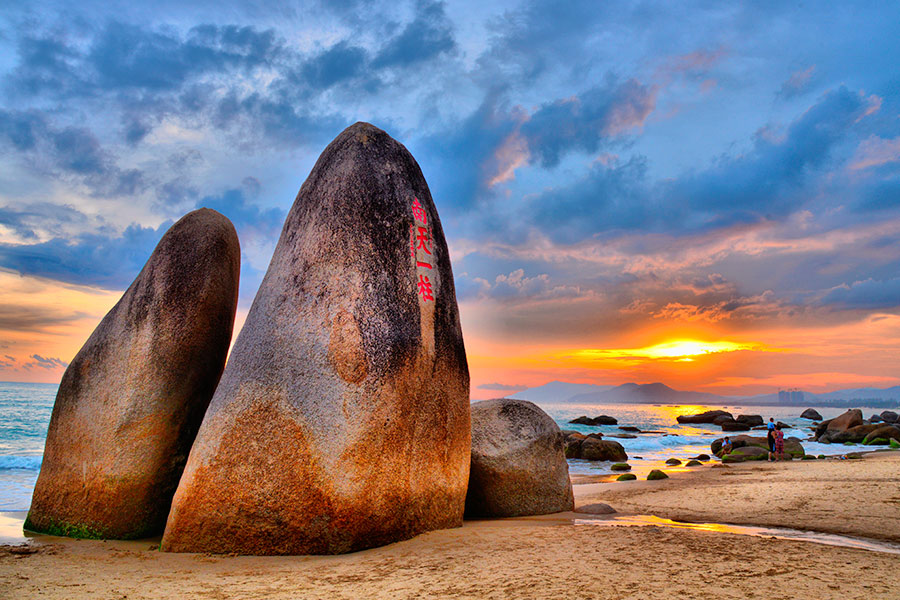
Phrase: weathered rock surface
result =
(734, 426)
(594, 449)
(656, 474)
(518, 466)
(811, 413)
(342, 419)
(721, 419)
(132, 399)
(704, 417)
(889, 416)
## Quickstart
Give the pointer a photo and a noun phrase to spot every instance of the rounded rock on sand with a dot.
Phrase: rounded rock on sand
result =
(518, 467)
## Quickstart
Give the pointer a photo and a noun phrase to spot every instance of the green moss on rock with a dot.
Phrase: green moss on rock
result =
(656, 474)
(693, 463)
(626, 477)
(621, 467)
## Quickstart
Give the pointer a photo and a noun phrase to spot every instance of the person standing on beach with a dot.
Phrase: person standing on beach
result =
(779, 444)
(770, 438)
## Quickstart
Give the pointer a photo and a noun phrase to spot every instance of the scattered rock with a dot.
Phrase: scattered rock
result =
(626, 477)
(735, 426)
(703, 456)
(130, 403)
(594, 421)
(693, 463)
(596, 509)
(622, 436)
(621, 467)
(854, 455)
(342, 419)
(594, 449)
(630, 428)
(673, 462)
(808, 457)
(851, 418)
(705, 417)
(875, 419)
(722, 419)
(889, 416)
(853, 435)
(751, 420)
(811, 413)
(656, 474)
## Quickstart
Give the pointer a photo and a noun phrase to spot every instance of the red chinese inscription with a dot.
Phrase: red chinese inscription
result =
(424, 240)
(419, 212)
(425, 288)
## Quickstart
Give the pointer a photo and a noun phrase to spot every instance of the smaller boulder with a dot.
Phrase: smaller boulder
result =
(735, 426)
(751, 420)
(594, 421)
(630, 428)
(884, 432)
(812, 414)
(623, 436)
(875, 419)
(722, 419)
(704, 417)
(853, 435)
(674, 462)
(596, 509)
(746, 453)
(626, 477)
(693, 463)
(704, 456)
(656, 474)
(808, 457)
(594, 449)
(621, 467)
(889, 416)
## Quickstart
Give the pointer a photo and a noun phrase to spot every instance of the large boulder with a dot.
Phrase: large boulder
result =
(132, 399)
(751, 420)
(853, 435)
(518, 466)
(883, 432)
(811, 413)
(342, 418)
(851, 418)
(889, 416)
(594, 449)
(704, 417)
(734, 426)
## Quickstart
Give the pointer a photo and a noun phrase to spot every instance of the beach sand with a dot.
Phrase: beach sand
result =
(548, 556)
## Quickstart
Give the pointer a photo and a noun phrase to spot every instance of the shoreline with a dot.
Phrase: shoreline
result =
(545, 556)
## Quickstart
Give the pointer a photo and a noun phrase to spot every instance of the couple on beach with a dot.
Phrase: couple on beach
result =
(775, 439)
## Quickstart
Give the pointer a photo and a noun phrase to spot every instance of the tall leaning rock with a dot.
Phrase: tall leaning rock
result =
(342, 418)
(132, 399)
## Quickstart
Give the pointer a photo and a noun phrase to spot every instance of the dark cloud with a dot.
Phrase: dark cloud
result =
(427, 36)
(868, 294)
(14, 317)
(102, 260)
(583, 122)
(42, 362)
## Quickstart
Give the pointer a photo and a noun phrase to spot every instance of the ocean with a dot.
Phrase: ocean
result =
(25, 414)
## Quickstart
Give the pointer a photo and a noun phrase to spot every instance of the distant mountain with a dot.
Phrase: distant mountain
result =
(648, 393)
(659, 393)
(558, 391)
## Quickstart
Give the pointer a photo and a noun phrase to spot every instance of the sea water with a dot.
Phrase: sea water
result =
(647, 451)
(25, 414)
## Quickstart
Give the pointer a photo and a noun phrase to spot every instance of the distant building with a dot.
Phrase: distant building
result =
(792, 396)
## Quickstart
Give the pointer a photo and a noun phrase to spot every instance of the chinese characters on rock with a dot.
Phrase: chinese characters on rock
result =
(420, 239)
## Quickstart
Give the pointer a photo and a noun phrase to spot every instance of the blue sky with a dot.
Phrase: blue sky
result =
(607, 174)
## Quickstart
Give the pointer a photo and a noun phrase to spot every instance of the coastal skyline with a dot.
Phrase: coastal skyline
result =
(706, 196)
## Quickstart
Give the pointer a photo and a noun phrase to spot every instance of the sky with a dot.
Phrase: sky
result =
(704, 194)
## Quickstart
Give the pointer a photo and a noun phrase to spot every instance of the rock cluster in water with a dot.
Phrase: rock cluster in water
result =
(132, 399)
(850, 427)
(342, 419)
(518, 466)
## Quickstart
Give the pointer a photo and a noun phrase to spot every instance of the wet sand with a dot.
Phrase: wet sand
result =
(548, 556)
